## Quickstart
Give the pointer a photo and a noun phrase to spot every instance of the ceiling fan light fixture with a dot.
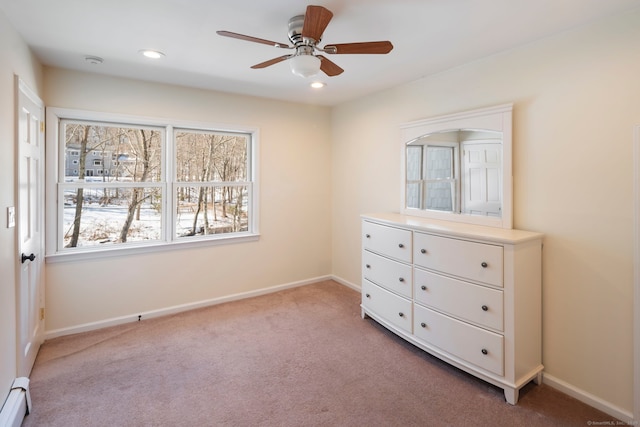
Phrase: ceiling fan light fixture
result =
(305, 65)
(318, 85)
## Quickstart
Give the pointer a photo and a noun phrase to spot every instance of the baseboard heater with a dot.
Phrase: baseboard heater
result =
(17, 405)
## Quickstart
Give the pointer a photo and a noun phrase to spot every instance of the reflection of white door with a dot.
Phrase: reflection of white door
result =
(481, 183)
(30, 303)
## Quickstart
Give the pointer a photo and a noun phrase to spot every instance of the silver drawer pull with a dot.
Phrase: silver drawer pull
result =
(484, 264)
(401, 279)
(424, 325)
(401, 246)
(423, 287)
(423, 251)
(485, 351)
(401, 314)
(485, 308)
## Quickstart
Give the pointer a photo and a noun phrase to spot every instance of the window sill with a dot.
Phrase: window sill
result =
(102, 253)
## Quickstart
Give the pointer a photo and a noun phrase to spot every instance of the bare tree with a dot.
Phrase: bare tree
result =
(202, 158)
(75, 233)
(143, 160)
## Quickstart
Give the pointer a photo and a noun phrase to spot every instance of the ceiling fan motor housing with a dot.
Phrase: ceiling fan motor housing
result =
(295, 32)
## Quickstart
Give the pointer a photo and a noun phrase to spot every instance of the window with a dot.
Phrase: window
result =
(433, 177)
(211, 175)
(146, 184)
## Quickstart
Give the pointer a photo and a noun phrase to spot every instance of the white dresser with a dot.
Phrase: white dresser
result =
(468, 294)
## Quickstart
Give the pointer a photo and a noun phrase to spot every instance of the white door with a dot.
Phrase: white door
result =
(481, 182)
(30, 295)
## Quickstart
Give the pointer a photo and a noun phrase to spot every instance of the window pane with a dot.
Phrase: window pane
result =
(95, 216)
(102, 153)
(414, 193)
(414, 162)
(440, 196)
(209, 156)
(439, 162)
(212, 210)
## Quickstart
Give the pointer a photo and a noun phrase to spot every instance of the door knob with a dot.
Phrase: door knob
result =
(28, 257)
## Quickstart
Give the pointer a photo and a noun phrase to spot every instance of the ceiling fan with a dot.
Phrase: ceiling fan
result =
(305, 33)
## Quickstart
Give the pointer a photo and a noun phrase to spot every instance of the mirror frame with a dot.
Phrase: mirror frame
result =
(497, 118)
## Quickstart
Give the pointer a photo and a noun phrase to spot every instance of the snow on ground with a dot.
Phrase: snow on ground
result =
(101, 224)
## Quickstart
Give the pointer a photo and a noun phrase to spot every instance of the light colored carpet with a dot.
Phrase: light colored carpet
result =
(300, 357)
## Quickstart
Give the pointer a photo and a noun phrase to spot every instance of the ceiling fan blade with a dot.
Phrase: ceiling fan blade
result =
(266, 64)
(253, 39)
(328, 67)
(316, 20)
(364, 47)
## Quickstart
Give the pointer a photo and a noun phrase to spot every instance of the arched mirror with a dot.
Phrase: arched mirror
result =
(458, 167)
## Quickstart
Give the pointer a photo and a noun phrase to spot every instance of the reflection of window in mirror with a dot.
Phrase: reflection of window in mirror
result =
(458, 167)
(433, 176)
(441, 178)
(457, 171)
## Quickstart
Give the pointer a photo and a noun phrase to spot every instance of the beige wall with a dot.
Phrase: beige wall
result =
(295, 206)
(15, 60)
(576, 101)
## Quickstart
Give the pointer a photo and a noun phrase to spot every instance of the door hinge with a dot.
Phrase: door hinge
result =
(42, 313)
(42, 127)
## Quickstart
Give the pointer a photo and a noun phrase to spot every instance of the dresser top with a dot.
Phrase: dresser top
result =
(456, 229)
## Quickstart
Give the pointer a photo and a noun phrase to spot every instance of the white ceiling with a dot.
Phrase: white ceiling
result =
(428, 36)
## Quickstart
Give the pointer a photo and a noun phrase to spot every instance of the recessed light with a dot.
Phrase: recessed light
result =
(153, 54)
(318, 85)
(93, 59)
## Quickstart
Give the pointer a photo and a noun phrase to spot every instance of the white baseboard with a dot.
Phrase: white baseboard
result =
(177, 309)
(589, 399)
(347, 283)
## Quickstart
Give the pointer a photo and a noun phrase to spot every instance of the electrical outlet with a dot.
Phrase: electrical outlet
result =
(11, 216)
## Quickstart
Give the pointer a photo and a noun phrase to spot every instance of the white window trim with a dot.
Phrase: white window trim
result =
(53, 164)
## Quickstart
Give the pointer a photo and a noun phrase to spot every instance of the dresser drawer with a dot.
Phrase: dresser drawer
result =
(389, 306)
(475, 345)
(479, 262)
(478, 304)
(389, 241)
(390, 274)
